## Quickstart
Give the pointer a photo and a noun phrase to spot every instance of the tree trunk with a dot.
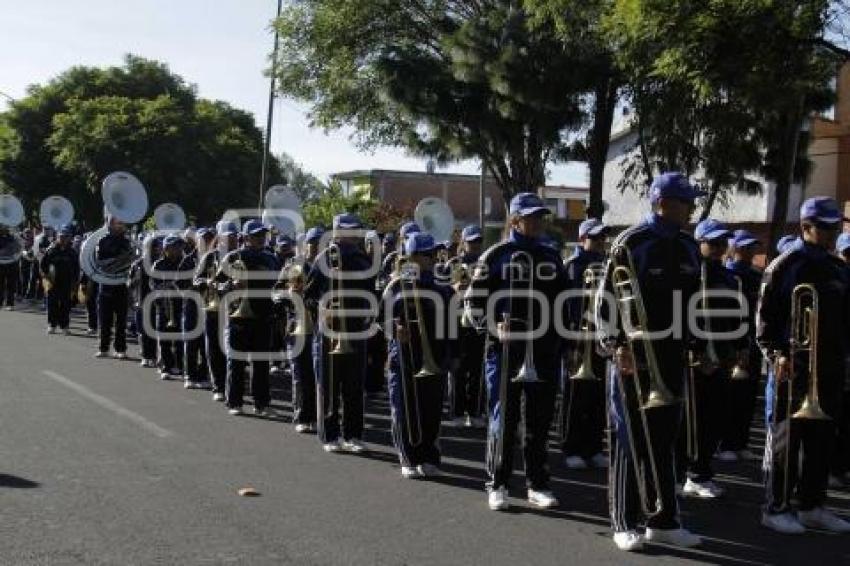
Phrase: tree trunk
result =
(789, 138)
(709, 202)
(600, 139)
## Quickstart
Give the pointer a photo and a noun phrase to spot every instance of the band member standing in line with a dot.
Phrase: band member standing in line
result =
(376, 345)
(707, 409)
(840, 461)
(797, 449)
(8, 272)
(252, 267)
(164, 277)
(194, 357)
(518, 265)
(666, 271)
(139, 282)
(466, 377)
(583, 402)
(340, 364)
(390, 259)
(60, 266)
(28, 265)
(112, 298)
(205, 283)
(419, 351)
(742, 392)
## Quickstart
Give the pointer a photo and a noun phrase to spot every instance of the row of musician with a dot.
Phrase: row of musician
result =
(668, 403)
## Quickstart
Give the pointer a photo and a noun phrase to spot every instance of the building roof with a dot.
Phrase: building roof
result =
(371, 173)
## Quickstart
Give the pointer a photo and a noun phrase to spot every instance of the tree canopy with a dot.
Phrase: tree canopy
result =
(66, 135)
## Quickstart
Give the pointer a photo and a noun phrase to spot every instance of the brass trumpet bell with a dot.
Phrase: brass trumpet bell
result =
(739, 373)
(811, 409)
(584, 373)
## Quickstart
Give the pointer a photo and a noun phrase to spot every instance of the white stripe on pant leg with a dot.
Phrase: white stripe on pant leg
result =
(110, 405)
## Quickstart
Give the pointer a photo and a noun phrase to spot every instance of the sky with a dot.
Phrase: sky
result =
(221, 46)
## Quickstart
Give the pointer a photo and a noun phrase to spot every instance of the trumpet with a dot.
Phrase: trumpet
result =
(739, 370)
(630, 306)
(342, 345)
(244, 309)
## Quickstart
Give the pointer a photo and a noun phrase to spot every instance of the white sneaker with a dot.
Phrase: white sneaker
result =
(303, 428)
(785, 523)
(147, 363)
(575, 463)
(10, 308)
(120, 355)
(544, 499)
(218, 397)
(193, 385)
(91, 332)
(599, 460)
(410, 472)
(677, 537)
(727, 456)
(428, 470)
(236, 411)
(497, 499)
(354, 446)
(100, 354)
(164, 375)
(629, 541)
(820, 518)
(51, 330)
(332, 446)
(703, 490)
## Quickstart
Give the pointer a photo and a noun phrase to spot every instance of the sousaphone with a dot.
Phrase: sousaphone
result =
(11, 215)
(436, 218)
(282, 210)
(56, 212)
(169, 217)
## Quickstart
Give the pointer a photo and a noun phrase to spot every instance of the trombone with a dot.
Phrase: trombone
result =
(630, 305)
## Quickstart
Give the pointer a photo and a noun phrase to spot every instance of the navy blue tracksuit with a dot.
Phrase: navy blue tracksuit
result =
(112, 300)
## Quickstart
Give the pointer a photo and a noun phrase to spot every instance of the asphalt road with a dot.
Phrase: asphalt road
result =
(101, 463)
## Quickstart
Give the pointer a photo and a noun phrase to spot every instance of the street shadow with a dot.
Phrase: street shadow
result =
(16, 482)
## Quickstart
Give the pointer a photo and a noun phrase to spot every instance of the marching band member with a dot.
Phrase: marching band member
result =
(376, 345)
(194, 357)
(249, 326)
(742, 392)
(809, 431)
(583, 403)
(466, 377)
(285, 250)
(60, 267)
(390, 259)
(840, 461)
(418, 356)
(164, 277)
(666, 270)
(225, 241)
(340, 364)
(528, 374)
(112, 299)
(8, 272)
(787, 242)
(28, 269)
(706, 404)
(139, 282)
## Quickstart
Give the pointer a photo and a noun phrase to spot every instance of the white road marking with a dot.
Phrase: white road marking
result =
(110, 405)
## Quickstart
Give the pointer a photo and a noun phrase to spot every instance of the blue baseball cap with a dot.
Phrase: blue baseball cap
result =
(226, 228)
(172, 240)
(66, 230)
(673, 185)
(711, 229)
(591, 227)
(527, 204)
(742, 239)
(314, 233)
(821, 209)
(419, 242)
(786, 242)
(842, 243)
(471, 233)
(204, 231)
(284, 241)
(346, 221)
(254, 227)
(409, 228)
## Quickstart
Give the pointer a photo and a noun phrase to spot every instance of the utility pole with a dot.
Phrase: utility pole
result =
(270, 116)
(481, 183)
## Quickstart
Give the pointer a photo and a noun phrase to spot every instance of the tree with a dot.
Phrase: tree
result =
(449, 79)
(71, 132)
(306, 185)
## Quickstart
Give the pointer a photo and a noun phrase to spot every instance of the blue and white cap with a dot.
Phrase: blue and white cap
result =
(528, 204)
(408, 228)
(742, 239)
(172, 240)
(226, 228)
(66, 230)
(419, 242)
(711, 229)
(591, 227)
(284, 241)
(673, 185)
(314, 233)
(786, 242)
(471, 233)
(205, 231)
(346, 221)
(254, 227)
(821, 209)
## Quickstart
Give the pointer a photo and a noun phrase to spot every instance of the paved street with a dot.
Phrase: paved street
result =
(101, 463)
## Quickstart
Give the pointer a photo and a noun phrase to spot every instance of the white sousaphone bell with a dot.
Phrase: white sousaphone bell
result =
(436, 218)
(282, 210)
(56, 212)
(169, 217)
(11, 216)
(124, 200)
